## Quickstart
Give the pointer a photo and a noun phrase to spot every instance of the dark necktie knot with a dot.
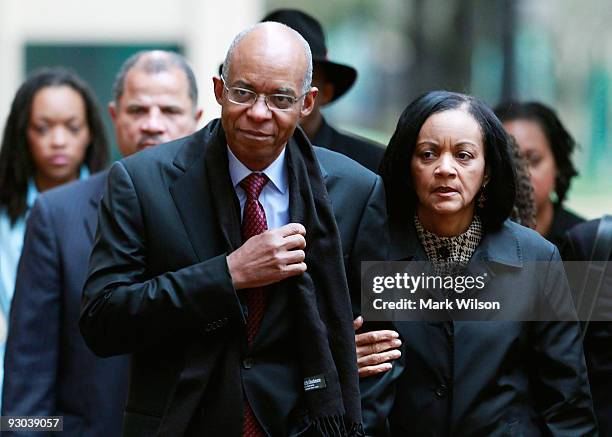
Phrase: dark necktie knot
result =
(254, 216)
(253, 184)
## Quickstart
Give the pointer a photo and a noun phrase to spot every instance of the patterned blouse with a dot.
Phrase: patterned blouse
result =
(450, 254)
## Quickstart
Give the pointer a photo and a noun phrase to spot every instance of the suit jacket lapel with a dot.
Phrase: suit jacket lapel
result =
(405, 245)
(224, 201)
(91, 218)
(91, 211)
(195, 198)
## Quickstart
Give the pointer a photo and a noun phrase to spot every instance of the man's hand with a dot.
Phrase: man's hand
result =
(269, 257)
(375, 350)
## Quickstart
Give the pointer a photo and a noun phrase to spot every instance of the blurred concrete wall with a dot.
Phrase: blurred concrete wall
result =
(204, 28)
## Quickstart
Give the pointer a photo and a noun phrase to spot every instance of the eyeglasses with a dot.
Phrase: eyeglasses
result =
(274, 102)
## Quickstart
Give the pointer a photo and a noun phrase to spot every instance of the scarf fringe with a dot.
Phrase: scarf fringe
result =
(333, 426)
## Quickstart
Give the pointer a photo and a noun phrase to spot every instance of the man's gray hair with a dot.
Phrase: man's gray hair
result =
(306, 83)
(152, 62)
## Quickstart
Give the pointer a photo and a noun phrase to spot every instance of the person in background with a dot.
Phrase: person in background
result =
(588, 249)
(548, 148)
(53, 135)
(333, 80)
(49, 369)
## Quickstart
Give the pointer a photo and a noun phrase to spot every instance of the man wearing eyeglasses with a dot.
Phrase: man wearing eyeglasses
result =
(225, 261)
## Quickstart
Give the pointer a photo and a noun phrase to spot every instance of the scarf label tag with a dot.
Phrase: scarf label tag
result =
(314, 383)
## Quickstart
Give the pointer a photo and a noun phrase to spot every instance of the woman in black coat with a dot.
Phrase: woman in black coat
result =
(450, 190)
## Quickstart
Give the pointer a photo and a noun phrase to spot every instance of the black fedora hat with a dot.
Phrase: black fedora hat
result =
(342, 76)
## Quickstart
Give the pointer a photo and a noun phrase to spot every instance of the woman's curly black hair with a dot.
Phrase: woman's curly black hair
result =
(524, 211)
(562, 144)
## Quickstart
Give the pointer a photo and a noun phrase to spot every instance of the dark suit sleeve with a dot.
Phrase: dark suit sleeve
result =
(371, 244)
(561, 385)
(126, 309)
(32, 350)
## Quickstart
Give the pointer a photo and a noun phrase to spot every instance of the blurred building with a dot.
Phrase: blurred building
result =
(95, 37)
(555, 51)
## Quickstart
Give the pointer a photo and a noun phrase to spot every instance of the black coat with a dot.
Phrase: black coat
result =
(563, 220)
(159, 288)
(598, 338)
(491, 378)
(365, 152)
(49, 371)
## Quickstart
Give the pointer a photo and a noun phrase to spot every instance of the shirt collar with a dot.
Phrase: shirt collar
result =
(501, 246)
(276, 171)
(33, 191)
(84, 172)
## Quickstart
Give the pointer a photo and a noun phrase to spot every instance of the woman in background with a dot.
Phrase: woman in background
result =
(548, 147)
(53, 135)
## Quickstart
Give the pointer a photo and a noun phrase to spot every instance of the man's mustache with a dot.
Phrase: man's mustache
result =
(150, 140)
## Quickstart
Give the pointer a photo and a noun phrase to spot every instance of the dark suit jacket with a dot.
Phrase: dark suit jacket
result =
(365, 152)
(493, 378)
(598, 338)
(159, 287)
(48, 368)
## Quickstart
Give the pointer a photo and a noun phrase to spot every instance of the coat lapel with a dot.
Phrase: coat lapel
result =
(90, 215)
(193, 197)
(91, 218)
(497, 250)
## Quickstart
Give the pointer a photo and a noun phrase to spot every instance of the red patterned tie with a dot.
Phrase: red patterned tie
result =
(253, 223)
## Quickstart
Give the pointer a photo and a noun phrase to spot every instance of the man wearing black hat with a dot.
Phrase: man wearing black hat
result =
(332, 80)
